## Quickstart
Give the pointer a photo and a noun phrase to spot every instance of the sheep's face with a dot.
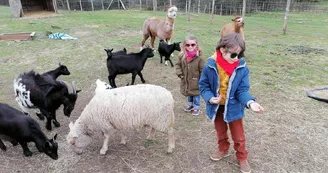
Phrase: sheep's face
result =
(78, 138)
(172, 12)
(101, 86)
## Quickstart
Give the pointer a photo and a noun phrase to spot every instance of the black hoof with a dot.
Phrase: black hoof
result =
(49, 127)
(28, 153)
(56, 123)
(41, 117)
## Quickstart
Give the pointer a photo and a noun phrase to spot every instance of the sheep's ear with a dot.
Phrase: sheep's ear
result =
(71, 125)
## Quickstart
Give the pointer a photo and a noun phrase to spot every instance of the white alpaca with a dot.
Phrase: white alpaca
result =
(123, 108)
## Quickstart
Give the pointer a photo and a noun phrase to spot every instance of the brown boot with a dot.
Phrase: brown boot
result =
(219, 155)
(244, 166)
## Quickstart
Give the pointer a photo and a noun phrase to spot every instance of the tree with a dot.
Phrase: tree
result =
(154, 5)
(286, 14)
(68, 5)
(244, 8)
(213, 5)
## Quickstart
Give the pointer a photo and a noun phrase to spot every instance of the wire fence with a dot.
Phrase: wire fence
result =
(222, 7)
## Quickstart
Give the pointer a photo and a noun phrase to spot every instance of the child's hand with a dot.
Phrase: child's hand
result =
(256, 107)
(215, 100)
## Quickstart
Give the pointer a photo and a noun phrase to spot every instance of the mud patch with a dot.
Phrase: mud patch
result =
(302, 50)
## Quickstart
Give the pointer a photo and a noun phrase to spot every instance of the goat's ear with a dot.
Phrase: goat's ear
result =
(55, 137)
(77, 91)
(59, 64)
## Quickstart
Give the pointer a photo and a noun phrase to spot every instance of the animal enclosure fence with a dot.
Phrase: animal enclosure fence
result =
(222, 7)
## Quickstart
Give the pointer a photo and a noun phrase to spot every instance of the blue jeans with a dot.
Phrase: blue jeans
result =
(194, 101)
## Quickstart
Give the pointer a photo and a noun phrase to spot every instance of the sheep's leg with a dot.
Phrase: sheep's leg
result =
(2, 146)
(123, 138)
(134, 74)
(171, 140)
(152, 133)
(141, 77)
(105, 145)
(39, 114)
(26, 151)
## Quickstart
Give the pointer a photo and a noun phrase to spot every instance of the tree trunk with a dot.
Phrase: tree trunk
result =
(102, 5)
(244, 9)
(93, 9)
(154, 5)
(213, 5)
(170, 2)
(68, 5)
(189, 4)
(123, 6)
(140, 5)
(186, 6)
(54, 3)
(110, 4)
(286, 14)
(81, 5)
(198, 10)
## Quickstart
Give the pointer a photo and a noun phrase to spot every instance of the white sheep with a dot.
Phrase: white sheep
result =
(124, 108)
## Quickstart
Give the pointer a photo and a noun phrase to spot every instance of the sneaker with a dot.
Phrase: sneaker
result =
(195, 112)
(244, 166)
(219, 155)
(188, 109)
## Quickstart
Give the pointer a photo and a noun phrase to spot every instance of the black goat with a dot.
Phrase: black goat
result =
(166, 50)
(127, 63)
(33, 90)
(61, 70)
(110, 53)
(17, 128)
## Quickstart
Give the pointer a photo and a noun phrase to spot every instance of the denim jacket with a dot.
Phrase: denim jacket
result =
(237, 93)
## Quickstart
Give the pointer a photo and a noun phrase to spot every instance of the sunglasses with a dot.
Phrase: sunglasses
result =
(234, 55)
(192, 45)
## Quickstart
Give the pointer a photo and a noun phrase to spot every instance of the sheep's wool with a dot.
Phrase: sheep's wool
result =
(128, 107)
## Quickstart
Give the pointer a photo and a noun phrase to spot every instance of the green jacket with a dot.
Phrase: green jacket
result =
(189, 74)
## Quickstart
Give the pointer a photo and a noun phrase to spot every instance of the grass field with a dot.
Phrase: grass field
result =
(291, 136)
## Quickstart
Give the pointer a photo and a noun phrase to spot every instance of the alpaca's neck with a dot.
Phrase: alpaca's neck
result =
(237, 29)
(169, 22)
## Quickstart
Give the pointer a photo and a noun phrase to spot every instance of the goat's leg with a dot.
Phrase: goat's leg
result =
(49, 118)
(134, 74)
(26, 151)
(54, 118)
(24, 109)
(105, 144)
(39, 114)
(111, 79)
(7, 138)
(161, 58)
(141, 77)
(2, 146)
(171, 62)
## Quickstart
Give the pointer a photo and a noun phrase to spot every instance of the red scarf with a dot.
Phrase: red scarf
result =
(227, 67)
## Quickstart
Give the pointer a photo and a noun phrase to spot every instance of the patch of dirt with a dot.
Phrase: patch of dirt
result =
(302, 50)
(39, 15)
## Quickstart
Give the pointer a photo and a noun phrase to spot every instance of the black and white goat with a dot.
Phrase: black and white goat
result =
(33, 90)
(127, 63)
(166, 50)
(18, 128)
(61, 70)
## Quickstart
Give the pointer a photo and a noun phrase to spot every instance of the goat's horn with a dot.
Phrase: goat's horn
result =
(74, 87)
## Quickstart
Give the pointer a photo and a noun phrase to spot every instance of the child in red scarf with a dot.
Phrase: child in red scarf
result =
(224, 86)
(188, 69)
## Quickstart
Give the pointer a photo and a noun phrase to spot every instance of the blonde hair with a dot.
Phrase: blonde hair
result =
(187, 38)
